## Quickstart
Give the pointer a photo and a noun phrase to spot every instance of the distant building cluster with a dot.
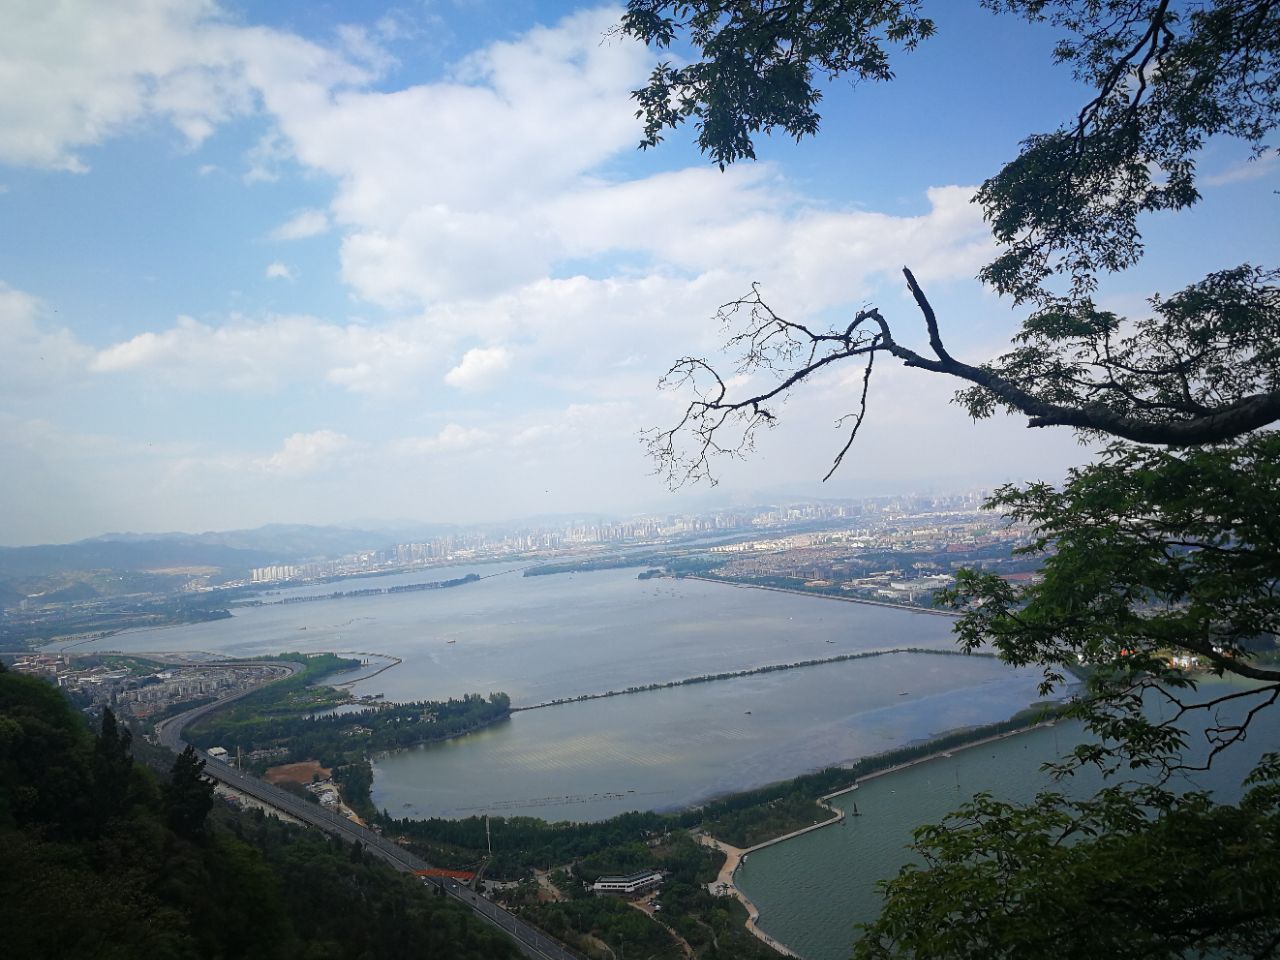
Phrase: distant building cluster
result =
(490, 544)
(139, 689)
(886, 553)
(278, 572)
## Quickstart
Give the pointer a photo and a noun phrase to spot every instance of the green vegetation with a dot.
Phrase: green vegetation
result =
(752, 817)
(330, 737)
(522, 844)
(584, 924)
(282, 715)
(284, 698)
(614, 562)
(1167, 541)
(925, 601)
(712, 926)
(368, 591)
(138, 666)
(25, 629)
(99, 859)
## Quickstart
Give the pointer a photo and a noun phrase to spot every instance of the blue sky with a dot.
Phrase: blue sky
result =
(317, 263)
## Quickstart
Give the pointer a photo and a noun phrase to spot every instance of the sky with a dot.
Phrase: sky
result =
(338, 263)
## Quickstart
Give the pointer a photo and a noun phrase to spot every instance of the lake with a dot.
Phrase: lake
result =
(672, 748)
(811, 890)
(550, 637)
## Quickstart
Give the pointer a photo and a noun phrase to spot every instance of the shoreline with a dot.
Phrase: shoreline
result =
(725, 885)
(821, 596)
(394, 662)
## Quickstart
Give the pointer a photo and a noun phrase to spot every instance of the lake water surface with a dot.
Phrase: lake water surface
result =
(550, 637)
(672, 748)
(811, 890)
(542, 638)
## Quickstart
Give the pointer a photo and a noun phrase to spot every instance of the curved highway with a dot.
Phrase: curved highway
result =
(531, 941)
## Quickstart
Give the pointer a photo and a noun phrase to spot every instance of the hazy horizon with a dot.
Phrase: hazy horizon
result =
(281, 263)
(394, 525)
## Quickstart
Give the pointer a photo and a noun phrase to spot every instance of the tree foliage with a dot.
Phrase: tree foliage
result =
(188, 796)
(1146, 552)
(1000, 880)
(760, 62)
(1165, 77)
(96, 860)
(1165, 546)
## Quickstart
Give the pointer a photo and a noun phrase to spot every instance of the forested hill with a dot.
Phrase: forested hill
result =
(51, 559)
(99, 859)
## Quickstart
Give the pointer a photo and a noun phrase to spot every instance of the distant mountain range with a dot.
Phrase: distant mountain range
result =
(235, 550)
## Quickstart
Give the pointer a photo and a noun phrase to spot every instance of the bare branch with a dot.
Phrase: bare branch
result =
(1118, 402)
(858, 417)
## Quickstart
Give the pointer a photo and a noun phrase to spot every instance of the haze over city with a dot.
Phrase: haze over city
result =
(331, 263)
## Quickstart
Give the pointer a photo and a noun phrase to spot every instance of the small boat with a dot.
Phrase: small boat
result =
(748, 712)
(905, 693)
(451, 641)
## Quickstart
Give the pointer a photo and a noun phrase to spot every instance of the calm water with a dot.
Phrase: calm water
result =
(671, 748)
(541, 638)
(810, 891)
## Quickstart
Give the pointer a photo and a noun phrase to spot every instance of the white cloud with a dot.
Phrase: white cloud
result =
(303, 224)
(1255, 168)
(579, 420)
(266, 355)
(440, 184)
(362, 45)
(267, 157)
(33, 355)
(481, 367)
(307, 453)
(489, 212)
(452, 438)
(73, 74)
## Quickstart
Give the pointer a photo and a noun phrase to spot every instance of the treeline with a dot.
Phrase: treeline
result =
(584, 922)
(102, 859)
(753, 671)
(745, 819)
(713, 926)
(336, 739)
(369, 591)
(521, 844)
(21, 630)
(599, 563)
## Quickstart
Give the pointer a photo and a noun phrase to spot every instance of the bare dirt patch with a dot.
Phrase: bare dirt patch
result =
(302, 773)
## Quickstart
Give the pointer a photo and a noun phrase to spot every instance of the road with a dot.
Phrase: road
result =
(532, 942)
